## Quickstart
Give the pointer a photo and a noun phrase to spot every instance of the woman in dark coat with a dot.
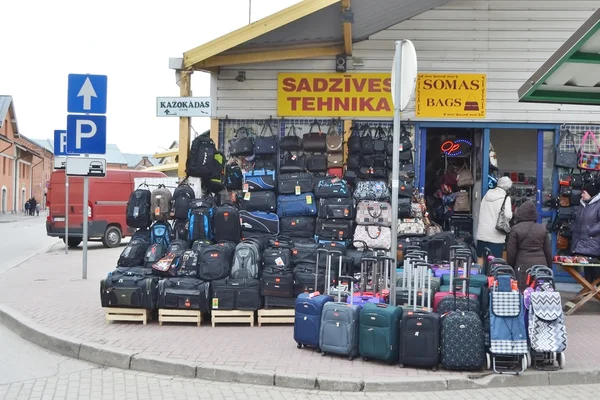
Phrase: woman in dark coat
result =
(586, 227)
(528, 243)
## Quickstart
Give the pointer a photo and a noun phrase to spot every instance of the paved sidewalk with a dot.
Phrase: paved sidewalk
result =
(48, 289)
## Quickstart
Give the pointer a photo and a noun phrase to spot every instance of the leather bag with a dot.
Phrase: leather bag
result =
(366, 142)
(354, 141)
(291, 142)
(266, 144)
(316, 163)
(462, 202)
(503, 223)
(465, 177)
(335, 141)
(314, 141)
(242, 144)
(335, 160)
(566, 158)
(292, 163)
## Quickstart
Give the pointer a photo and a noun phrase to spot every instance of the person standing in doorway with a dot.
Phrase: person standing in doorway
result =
(586, 227)
(491, 204)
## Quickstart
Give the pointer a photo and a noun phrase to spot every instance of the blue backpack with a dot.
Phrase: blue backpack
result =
(160, 233)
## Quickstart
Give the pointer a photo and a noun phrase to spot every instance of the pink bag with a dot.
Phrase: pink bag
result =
(589, 161)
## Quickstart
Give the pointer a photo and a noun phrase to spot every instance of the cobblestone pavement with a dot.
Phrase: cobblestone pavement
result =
(49, 290)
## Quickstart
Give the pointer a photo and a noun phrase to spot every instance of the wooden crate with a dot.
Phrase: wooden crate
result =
(276, 316)
(127, 314)
(183, 316)
(232, 317)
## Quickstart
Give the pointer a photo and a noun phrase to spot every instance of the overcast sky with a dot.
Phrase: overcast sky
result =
(128, 40)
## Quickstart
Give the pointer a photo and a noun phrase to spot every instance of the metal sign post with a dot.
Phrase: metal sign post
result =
(404, 74)
(66, 213)
(85, 224)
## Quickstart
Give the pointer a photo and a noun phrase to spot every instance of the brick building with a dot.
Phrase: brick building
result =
(25, 165)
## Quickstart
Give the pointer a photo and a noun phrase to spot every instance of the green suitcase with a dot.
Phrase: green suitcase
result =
(475, 280)
(380, 332)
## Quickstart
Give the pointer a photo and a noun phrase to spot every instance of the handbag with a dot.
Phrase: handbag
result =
(366, 142)
(589, 161)
(353, 161)
(354, 141)
(379, 141)
(314, 141)
(316, 163)
(291, 142)
(241, 145)
(503, 222)
(411, 227)
(266, 145)
(372, 237)
(292, 163)
(335, 160)
(462, 202)
(465, 176)
(370, 212)
(565, 158)
(406, 190)
(335, 141)
(562, 243)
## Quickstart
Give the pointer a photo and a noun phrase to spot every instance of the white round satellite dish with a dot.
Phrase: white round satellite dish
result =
(409, 73)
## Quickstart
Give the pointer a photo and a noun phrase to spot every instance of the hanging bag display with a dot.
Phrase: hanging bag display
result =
(292, 163)
(314, 141)
(266, 144)
(291, 142)
(566, 158)
(462, 202)
(503, 222)
(335, 141)
(589, 161)
(465, 176)
(242, 143)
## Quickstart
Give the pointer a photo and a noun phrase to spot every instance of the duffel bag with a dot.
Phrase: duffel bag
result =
(331, 187)
(259, 179)
(259, 201)
(337, 229)
(301, 227)
(296, 183)
(372, 190)
(292, 205)
(336, 208)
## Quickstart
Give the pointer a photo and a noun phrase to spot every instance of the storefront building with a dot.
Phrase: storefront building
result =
(329, 61)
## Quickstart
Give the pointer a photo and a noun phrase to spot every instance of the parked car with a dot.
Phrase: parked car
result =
(107, 200)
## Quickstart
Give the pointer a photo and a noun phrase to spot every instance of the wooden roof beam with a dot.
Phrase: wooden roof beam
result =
(268, 56)
(347, 26)
(253, 30)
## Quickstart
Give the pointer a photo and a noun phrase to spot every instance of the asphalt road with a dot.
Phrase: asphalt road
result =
(22, 238)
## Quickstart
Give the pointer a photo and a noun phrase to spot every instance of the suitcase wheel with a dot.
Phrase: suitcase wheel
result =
(323, 354)
(318, 350)
(299, 345)
(365, 359)
(350, 358)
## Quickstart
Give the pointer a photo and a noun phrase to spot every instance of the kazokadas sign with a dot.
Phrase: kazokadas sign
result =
(334, 95)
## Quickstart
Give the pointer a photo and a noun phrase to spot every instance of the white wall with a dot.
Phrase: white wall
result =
(516, 150)
(506, 39)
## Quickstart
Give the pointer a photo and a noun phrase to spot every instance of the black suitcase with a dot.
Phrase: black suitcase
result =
(227, 224)
(215, 261)
(259, 201)
(295, 183)
(420, 339)
(304, 279)
(277, 282)
(247, 294)
(223, 295)
(337, 229)
(337, 208)
(301, 227)
(129, 287)
(277, 257)
(184, 294)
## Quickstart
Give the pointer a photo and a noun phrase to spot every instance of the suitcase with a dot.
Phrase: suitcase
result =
(447, 297)
(259, 222)
(277, 282)
(291, 205)
(184, 294)
(420, 339)
(336, 208)
(379, 336)
(299, 182)
(259, 201)
(129, 287)
(247, 295)
(222, 295)
(307, 317)
(340, 324)
(301, 227)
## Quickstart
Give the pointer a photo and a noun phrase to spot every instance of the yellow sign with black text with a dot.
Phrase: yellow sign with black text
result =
(447, 95)
(334, 95)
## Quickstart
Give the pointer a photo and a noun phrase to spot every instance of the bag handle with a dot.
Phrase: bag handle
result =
(373, 208)
(504, 203)
(367, 132)
(312, 125)
(243, 130)
(369, 233)
(266, 125)
(565, 136)
(292, 131)
(588, 133)
(332, 129)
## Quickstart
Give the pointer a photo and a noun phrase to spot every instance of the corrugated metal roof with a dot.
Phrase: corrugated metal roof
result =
(6, 103)
(325, 26)
(134, 159)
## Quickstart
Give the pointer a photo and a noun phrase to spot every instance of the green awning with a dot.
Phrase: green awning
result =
(572, 74)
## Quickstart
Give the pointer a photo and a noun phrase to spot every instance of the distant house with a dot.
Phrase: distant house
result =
(140, 161)
(168, 160)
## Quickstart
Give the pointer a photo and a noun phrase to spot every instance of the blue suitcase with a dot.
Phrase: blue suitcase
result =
(307, 321)
(260, 179)
(302, 205)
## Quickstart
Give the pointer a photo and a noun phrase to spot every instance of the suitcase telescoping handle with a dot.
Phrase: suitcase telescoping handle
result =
(458, 261)
(364, 271)
(330, 254)
(467, 294)
(327, 271)
(351, 281)
(425, 270)
(387, 263)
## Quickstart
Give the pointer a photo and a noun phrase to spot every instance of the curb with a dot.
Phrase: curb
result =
(124, 359)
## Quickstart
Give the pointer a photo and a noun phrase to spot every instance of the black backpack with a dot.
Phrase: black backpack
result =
(180, 229)
(234, 178)
(182, 195)
(133, 254)
(201, 161)
(137, 214)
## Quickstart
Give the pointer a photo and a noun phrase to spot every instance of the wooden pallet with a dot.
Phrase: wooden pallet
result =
(183, 316)
(276, 316)
(127, 314)
(232, 317)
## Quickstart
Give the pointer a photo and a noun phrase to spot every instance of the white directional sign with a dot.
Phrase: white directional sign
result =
(183, 107)
(85, 166)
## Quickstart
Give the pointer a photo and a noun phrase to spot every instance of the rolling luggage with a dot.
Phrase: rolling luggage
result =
(420, 339)
(462, 339)
(307, 318)
(277, 282)
(340, 325)
(448, 300)
(308, 279)
(129, 287)
(184, 294)
(380, 332)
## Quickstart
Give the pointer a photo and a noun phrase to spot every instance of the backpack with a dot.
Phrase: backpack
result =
(234, 178)
(160, 233)
(180, 229)
(137, 214)
(161, 203)
(246, 260)
(182, 195)
(201, 217)
(154, 253)
(141, 234)
(201, 161)
(133, 254)
(217, 183)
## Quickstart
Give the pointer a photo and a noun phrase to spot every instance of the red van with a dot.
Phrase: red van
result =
(107, 201)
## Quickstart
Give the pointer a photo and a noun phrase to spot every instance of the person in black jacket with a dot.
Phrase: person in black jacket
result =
(586, 227)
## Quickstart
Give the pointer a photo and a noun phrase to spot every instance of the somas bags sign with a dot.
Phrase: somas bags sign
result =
(334, 95)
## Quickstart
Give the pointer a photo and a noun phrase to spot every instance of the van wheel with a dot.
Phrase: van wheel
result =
(73, 242)
(112, 237)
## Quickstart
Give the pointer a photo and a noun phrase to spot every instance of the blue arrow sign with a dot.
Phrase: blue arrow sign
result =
(87, 94)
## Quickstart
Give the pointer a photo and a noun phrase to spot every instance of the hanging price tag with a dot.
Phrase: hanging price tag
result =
(157, 211)
(247, 196)
(308, 199)
(297, 190)
(245, 188)
(215, 303)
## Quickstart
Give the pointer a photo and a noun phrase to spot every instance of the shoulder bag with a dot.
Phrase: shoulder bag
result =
(266, 145)
(335, 141)
(503, 223)
(314, 142)
(465, 176)
(242, 143)
(291, 142)
(366, 142)
(292, 163)
(589, 161)
(566, 158)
